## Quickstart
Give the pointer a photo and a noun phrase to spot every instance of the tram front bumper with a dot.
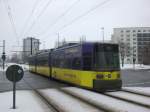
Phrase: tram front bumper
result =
(104, 85)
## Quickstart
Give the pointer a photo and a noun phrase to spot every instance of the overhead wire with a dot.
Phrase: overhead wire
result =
(29, 17)
(8, 9)
(59, 17)
(82, 15)
(39, 15)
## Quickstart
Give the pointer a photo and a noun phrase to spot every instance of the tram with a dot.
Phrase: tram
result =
(90, 64)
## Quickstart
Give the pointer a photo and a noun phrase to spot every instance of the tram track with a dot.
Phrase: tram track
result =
(135, 92)
(131, 97)
(56, 106)
(106, 107)
(99, 106)
(52, 106)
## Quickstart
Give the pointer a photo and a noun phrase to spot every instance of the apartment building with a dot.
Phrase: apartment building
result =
(135, 42)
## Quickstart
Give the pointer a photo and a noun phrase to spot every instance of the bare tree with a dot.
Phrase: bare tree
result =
(123, 51)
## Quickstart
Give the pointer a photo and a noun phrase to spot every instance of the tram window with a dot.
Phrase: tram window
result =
(76, 63)
(87, 63)
(67, 63)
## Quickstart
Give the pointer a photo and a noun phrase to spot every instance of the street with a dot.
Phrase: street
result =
(29, 81)
(136, 78)
(131, 78)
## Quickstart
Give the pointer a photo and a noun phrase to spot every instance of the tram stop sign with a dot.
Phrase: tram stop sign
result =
(14, 73)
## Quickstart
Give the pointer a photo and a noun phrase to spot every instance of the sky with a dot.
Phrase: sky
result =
(72, 19)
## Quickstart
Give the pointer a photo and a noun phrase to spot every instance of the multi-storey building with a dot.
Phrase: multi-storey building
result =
(134, 42)
(30, 47)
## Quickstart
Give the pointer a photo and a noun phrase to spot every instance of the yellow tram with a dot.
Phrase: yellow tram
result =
(90, 64)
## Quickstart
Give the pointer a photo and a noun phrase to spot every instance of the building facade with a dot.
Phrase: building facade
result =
(134, 44)
(30, 47)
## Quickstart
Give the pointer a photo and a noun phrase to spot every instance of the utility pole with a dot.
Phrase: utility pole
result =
(3, 54)
(31, 45)
(58, 39)
(102, 29)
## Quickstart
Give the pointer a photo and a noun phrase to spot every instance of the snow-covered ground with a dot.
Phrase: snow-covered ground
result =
(28, 101)
(24, 66)
(144, 90)
(136, 67)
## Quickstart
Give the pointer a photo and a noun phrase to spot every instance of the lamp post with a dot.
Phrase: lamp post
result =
(102, 29)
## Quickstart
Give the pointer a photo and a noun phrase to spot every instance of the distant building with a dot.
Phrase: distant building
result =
(30, 47)
(134, 42)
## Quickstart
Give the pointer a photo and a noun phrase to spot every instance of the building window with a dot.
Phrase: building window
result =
(128, 39)
(144, 30)
(134, 38)
(134, 42)
(139, 30)
(128, 31)
(128, 35)
(121, 31)
(134, 35)
(133, 31)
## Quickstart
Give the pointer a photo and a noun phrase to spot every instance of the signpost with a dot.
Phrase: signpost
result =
(14, 73)
(3, 54)
(3, 58)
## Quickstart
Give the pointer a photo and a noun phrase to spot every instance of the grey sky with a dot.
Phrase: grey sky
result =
(115, 13)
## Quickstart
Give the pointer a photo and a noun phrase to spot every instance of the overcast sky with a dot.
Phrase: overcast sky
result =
(44, 19)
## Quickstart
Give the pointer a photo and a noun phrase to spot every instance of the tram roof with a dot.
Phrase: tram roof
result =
(70, 45)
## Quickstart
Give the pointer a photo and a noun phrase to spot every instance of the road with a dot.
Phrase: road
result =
(29, 81)
(136, 78)
(132, 78)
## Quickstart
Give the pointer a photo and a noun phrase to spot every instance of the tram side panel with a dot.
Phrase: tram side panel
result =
(43, 65)
(32, 64)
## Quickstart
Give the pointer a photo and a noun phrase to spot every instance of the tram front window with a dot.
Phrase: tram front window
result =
(106, 58)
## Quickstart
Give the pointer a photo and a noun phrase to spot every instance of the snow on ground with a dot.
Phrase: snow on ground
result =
(130, 96)
(24, 66)
(26, 101)
(108, 101)
(66, 102)
(144, 90)
(136, 67)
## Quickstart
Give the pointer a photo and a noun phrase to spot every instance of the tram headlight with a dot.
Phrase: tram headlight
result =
(99, 76)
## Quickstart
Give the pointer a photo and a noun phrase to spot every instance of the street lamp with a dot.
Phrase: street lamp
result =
(102, 29)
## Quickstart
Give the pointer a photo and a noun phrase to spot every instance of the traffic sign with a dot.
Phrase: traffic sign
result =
(14, 73)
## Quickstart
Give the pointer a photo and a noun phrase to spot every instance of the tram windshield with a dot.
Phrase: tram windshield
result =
(106, 57)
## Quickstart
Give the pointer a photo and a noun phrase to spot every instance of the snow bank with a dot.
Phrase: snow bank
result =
(24, 66)
(26, 101)
(136, 67)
